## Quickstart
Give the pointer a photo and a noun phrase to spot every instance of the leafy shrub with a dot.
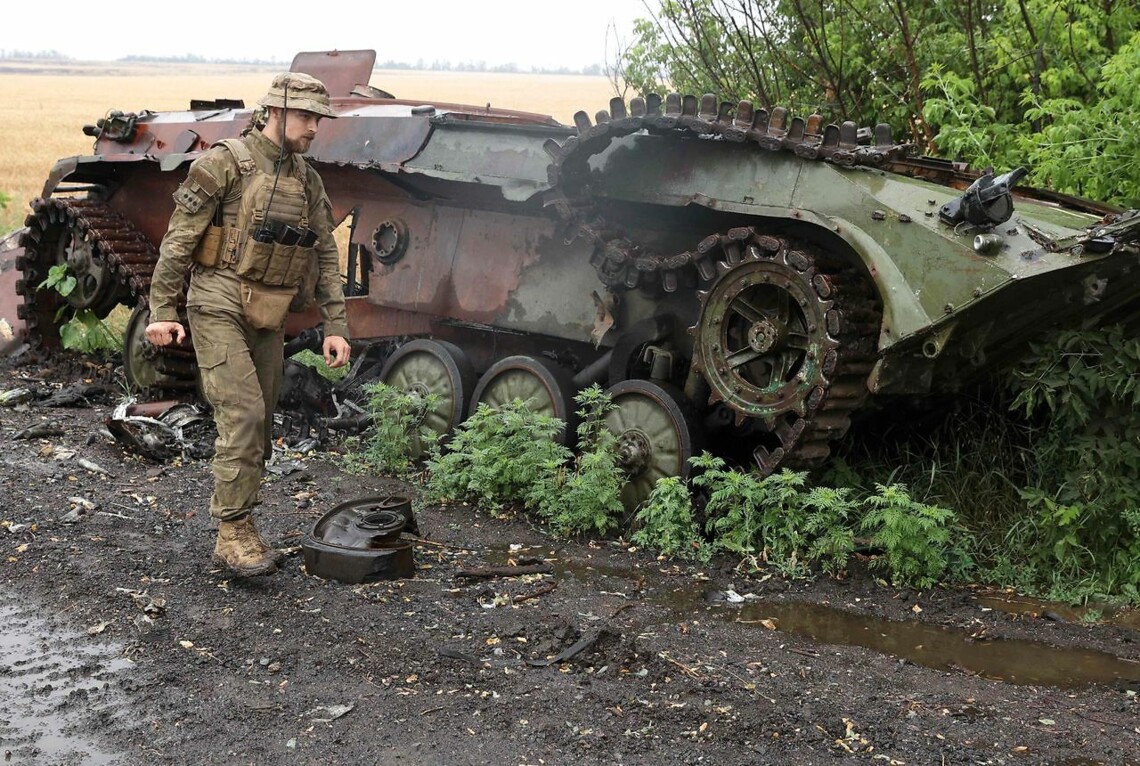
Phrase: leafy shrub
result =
(828, 526)
(758, 519)
(497, 456)
(913, 535)
(666, 522)
(396, 434)
(84, 331)
(780, 522)
(511, 456)
(586, 498)
(1084, 390)
(88, 334)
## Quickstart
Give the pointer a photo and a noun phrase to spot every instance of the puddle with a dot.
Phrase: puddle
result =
(1027, 606)
(1012, 661)
(48, 679)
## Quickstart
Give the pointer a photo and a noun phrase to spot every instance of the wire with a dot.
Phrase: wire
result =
(281, 153)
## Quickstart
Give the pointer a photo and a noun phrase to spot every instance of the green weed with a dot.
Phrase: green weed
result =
(397, 432)
(666, 522)
(1083, 389)
(914, 536)
(497, 456)
(83, 331)
(586, 498)
(757, 519)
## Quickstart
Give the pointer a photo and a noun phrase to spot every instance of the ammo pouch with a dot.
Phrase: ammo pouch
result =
(274, 263)
(216, 246)
(265, 306)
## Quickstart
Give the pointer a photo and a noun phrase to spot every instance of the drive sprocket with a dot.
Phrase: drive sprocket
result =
(785, 336)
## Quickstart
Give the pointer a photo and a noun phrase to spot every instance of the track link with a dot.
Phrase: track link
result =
(114, 242)
(621, 261)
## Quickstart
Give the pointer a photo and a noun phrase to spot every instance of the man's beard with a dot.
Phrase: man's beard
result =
(298, 145)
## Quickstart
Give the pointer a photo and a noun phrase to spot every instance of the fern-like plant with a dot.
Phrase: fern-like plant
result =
(585, 498)
(760, 519)
(1084, 389)
(397, 432)
(497, 456)
(914, 536)
(828, 527)
(666, 522)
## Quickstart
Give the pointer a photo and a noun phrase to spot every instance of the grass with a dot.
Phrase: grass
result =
(46, 106)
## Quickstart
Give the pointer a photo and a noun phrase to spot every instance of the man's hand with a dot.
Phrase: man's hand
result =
(165, 333)
(336, 351)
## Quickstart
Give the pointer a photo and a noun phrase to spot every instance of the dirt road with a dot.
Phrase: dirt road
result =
(122, 645)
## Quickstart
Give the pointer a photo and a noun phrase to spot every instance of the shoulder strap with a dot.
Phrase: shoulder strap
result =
(300, 169)
(241, 153)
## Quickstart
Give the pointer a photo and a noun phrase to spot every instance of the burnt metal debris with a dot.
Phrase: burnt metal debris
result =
(360, 541)
(738, 278)
(163, 430)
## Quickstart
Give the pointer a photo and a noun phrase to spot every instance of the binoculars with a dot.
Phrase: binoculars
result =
(284, 234)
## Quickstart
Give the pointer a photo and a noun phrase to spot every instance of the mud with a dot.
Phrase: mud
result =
(122, 645)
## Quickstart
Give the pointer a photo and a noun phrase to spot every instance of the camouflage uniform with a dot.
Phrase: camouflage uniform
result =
(240, 365)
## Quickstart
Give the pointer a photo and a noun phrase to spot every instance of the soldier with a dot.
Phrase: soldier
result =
(253, 224)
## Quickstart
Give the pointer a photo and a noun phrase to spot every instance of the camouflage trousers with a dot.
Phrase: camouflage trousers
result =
(241, 370)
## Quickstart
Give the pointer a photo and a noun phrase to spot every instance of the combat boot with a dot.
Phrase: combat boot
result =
(241, 549)
(278, 556)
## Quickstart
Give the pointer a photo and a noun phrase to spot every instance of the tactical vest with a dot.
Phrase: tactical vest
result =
(265, 237)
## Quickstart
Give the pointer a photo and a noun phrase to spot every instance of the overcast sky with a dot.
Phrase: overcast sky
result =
(529, 33)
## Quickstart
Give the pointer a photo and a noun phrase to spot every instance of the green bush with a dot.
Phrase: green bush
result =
(511, 457)
(83, 331)
(780, 522)
(828, 527)
(761, 520)
(775, 519)
(587, 497)
(666, 522)
(1083, 390)
(88, 334)
(1043, 496)
(914, 536)
(497, 456)
(396, 433)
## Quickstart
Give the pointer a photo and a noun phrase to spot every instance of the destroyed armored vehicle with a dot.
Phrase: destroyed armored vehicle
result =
(739, 279)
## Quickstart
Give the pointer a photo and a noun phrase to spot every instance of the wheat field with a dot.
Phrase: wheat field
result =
(43, 108)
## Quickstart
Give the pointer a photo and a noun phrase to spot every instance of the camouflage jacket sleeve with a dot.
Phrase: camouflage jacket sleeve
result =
(195, 201)
(329, 292)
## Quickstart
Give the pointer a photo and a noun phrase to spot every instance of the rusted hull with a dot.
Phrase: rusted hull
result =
(11, 325)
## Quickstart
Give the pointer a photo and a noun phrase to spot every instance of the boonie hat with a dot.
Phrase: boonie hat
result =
(297, 90)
